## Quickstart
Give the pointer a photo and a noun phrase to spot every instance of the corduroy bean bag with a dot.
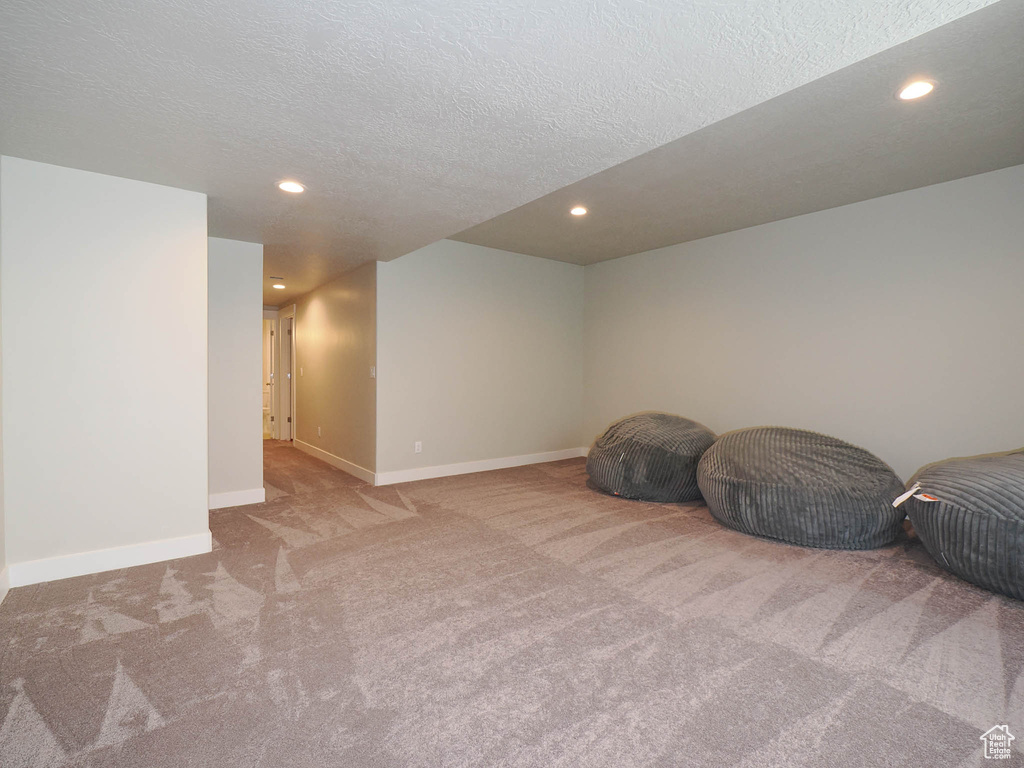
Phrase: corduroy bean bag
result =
(801, 487)
(650, 457)
(975, 528)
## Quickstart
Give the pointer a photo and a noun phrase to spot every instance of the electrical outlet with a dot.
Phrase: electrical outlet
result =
(417, 447)
(373, 371)
(318, 432)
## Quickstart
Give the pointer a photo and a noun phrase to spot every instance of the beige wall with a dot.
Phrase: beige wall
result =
(235, 335)
(894, 323)
(104, 323)
(479, 356)
(335, 347)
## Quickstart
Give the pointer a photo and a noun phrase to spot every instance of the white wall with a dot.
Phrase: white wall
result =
(104, 322)
(4, 581)
(893, 323)
(479, 356)
(335, 347)
(236, 370)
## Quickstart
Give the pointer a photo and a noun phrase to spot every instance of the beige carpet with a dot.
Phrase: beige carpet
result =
(512, 618)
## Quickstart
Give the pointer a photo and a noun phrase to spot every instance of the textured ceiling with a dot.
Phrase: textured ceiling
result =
(408, 121)
(837, 140)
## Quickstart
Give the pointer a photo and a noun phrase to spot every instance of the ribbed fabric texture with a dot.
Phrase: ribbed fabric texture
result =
(650, 457)
(976, 528)
(801, 487)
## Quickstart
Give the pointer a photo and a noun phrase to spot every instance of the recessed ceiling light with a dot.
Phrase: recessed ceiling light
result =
(279, 286)
(916, 90)
(579, 210)
(291, 186)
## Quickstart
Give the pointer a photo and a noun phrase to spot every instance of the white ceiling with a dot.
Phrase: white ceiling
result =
(408, 121)
(838, 140)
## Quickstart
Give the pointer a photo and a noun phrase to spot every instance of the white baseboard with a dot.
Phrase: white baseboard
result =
(335, 461)
(5, 583)
(237, 498)
(98, 560)
(466, 467)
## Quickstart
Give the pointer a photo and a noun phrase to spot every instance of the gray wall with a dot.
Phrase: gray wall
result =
(3, 518)
(105, 365)
(480, 356)
(894, 323)
(335, 347)
(236, 367)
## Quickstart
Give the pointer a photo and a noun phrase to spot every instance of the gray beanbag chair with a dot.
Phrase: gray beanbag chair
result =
(801, 487)
(975, 528)
(649, 457)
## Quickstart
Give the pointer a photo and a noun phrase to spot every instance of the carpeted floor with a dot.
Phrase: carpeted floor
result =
(511, 618)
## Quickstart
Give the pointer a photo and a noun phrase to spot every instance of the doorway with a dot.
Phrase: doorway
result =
(286, 395)
(278, 373)
(269, 365)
